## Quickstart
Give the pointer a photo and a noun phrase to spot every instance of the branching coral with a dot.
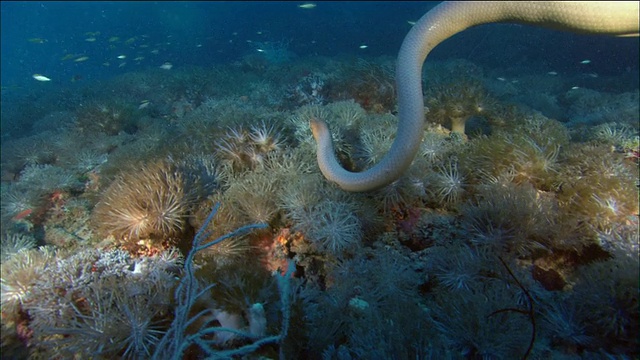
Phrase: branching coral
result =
(188, 329)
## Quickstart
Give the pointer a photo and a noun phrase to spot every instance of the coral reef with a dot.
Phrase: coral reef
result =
(529, 217)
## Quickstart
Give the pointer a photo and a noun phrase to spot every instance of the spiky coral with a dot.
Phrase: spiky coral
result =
(150, 203)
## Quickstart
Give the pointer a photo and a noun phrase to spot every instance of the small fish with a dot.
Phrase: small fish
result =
(122, 64)
(501, 79)
(307, 6)
(575, 87)
(41, 77)
(130, 41)
(114, 39)
(552, 73)
(411, 22)
(587, 61)
(592, 75)
(139, 58)
(81, 59)
(155, 51)
(144, 104)
(122, 56)
(37, 40)
(363, 46)
(22, 214)
(68, 57)
(91, 39)
(106, 63)
(199, 45)
(166, 66)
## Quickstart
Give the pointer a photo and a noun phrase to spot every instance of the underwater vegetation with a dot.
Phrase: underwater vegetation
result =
(200, 226)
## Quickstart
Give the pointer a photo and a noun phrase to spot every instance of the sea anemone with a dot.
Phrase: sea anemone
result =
(18, 200)
(150, 203)
(13, 243)
(18, 276)
(511, 218)
(266, 137)
(461, 268)
(375, 141)
(241, 150)
(332, 226)
(447, 184)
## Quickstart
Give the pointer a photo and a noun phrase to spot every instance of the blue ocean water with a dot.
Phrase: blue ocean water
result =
(206, 33)
(122, 123)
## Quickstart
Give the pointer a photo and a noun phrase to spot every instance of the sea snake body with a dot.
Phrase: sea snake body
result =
(437, 25)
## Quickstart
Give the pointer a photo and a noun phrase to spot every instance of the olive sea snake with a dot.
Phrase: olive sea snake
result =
(437, 25)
